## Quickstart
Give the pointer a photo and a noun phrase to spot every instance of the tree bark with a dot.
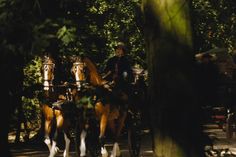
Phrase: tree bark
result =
(6, 109)
(174, 112)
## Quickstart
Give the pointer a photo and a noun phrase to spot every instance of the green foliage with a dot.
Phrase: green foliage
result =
(32, 72)
(66, 35)
(31, 110)
(86, 102)
(65, 28)
(68, 27)
(77, 27)
(42, 35)
(30, 100)
(215, 23)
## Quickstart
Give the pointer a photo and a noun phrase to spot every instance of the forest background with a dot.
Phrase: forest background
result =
(29, 29)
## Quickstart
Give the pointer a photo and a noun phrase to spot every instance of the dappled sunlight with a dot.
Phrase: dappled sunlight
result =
(171, 16)
(167, 146)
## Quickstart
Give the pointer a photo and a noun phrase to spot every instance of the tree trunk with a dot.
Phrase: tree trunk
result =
(173, 108)
(6, 107)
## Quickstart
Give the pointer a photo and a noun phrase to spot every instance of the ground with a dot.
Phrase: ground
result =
(39, 149)
(220, 142)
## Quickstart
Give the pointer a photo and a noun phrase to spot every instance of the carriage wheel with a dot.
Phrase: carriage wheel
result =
(134, 134)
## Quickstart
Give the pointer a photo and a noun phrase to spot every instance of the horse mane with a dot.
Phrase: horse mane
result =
(95, 77)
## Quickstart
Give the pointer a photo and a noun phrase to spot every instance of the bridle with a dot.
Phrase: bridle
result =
(48, 73)
(79, 71)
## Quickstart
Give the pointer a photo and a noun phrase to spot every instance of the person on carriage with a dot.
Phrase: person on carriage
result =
(119, 72)
(207, 74)
(118, 67)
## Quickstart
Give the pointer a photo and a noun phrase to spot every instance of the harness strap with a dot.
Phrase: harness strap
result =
(58, 104)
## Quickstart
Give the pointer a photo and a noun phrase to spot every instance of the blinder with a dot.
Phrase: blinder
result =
(79, 70)
(48, 73)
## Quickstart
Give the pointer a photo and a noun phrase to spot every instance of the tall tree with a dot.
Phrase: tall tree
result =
(174, 112)
(214, 24)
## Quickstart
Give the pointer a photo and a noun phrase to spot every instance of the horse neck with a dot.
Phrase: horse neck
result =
(95, 78)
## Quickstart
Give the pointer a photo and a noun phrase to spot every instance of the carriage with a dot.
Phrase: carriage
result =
(226, 89)
(92, 115)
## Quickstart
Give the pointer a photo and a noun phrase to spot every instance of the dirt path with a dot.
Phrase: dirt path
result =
(220, 142)
(39, 149)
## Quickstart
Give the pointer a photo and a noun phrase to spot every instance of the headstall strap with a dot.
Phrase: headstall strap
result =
(78, 65)
(47, 66)
(48, 72)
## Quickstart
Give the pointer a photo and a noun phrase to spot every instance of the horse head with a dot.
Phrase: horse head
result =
(48, 72)
(85, 70)
(79, 71)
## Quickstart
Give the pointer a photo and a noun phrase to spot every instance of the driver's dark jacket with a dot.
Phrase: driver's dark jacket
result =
(118, 66)
(122, 84)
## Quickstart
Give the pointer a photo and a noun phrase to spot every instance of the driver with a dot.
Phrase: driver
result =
(118, 71)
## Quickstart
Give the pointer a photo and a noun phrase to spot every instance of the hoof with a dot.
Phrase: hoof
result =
(104, 152)
(57, 149)
(115, 150)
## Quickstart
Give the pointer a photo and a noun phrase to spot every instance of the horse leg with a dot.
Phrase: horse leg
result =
(116, 148)
(67, 145)
(59, 122)
(54, 148)
(48, 117)
(47, 130)
(82, 143)
(103, 125)
(47, 140)
(121, 123)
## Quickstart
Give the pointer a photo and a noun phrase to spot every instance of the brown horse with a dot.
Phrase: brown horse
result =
(56, 118)
(108, 114)
(48, 112)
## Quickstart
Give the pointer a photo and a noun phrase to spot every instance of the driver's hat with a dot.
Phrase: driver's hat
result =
(120, 45)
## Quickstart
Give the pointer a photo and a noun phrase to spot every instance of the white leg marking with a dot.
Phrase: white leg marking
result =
(104, 152)
(47, 141)
(82, 143)
(115, 150)
(67, 147)
(54, 149)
